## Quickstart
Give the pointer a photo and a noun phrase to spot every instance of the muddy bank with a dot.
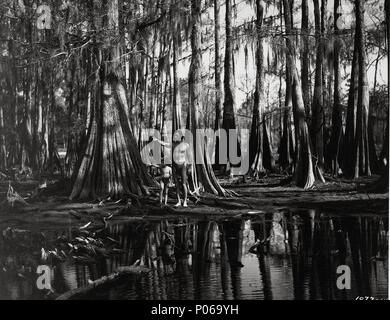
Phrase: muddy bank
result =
(52, 211)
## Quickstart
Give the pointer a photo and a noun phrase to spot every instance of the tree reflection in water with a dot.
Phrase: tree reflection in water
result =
(283, 255)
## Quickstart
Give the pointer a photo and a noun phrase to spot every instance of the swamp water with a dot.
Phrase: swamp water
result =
(282, 255)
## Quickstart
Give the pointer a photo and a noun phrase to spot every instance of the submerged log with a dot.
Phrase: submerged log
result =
(120, 272)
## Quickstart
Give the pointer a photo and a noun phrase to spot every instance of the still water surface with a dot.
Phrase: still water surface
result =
(284, 255)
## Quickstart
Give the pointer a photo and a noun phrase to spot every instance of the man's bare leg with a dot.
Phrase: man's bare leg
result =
(166, 195)
(178, 194)
(185, 195)
(161, 191)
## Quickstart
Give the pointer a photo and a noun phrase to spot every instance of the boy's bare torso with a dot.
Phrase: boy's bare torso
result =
(166, 172)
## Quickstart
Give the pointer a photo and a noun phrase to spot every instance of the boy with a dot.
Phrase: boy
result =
(165, 180)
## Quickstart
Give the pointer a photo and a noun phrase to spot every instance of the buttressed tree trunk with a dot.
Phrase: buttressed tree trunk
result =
(286, 148)
(203, 173)
(256, 135)
(356, 161)
(228, 121)
(111, 164)
(260, 155)
(361, 149)
(303, 175)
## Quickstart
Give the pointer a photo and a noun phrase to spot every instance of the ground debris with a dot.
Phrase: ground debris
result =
(14, 199)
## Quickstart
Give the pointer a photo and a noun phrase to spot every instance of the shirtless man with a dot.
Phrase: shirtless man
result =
(165, 180)
(181, 156)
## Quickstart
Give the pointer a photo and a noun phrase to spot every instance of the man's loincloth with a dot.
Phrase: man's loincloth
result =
(181, 172)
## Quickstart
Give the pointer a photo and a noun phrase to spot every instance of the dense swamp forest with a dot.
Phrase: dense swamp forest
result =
(193, 149)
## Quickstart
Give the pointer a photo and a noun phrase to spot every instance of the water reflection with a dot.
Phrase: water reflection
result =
(284, 255)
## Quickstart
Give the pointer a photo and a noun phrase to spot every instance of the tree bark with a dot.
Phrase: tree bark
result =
(71, 152)
(304, 174)
(317, 125)
(203, 175)
(337, 121)
(217, 75)
(228, 122)
(305, 58)
(350, 126)
(286, 148)
(256, 135)
(374, 160)
(3, 149)
(153, 99)
(358, 160)
(385, 148)
(382, 185)
(177, 122)
(111, 164)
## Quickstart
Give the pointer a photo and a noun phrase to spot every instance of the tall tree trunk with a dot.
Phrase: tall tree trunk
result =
(165, 103)
(305, 58)
(177, 122)
(326, 83)
(203, 173)
(374, 161)
(153, 101)
(350, 126)
(14, 141)
(268, 158)
(361, 163)
(71, 152)
(385, 148)
(317, 125)
(337, 121)
(24, 130)
(303, 175)
(144, 100)
(217, 75)
(286, 148)
(228, 121)
(382, 185)
(5, 91)
(111, 165)
(3, 149)
(39, 131)
(256, 135)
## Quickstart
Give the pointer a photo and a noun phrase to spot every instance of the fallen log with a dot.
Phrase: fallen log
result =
(120, 272)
